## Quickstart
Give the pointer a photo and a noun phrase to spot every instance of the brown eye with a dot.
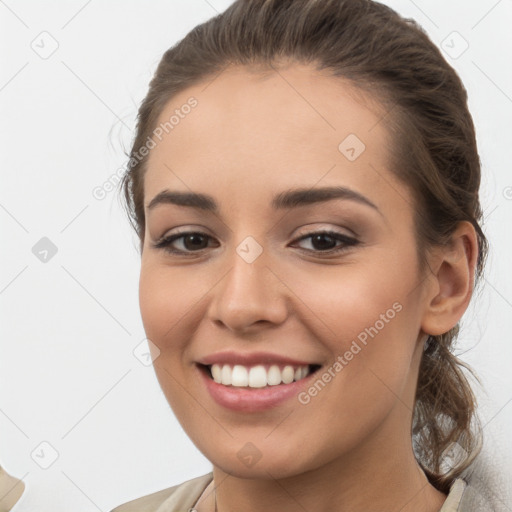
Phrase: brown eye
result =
(191, 241)
(325, 242)
(194, 241)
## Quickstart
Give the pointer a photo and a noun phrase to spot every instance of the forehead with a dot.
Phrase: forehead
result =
(267, 128)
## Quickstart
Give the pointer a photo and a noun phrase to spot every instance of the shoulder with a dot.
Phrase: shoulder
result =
(487, 487)
(453, 500)
(178, 497)
(11, 489)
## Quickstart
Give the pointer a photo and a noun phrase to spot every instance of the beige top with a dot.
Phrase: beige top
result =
(183, 497)
(11, 488)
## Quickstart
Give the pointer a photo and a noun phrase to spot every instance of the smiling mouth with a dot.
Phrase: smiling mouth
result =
(257, 376)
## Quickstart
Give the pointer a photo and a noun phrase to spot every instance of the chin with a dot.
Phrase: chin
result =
(269, 463)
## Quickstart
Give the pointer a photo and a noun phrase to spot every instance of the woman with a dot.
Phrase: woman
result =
(304, 184)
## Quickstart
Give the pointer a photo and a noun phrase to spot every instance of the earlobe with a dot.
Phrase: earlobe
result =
(454, 278)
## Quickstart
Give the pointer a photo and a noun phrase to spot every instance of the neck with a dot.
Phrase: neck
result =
(337, 487)
(381, 474)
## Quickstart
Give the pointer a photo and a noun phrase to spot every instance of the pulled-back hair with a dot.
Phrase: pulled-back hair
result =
(433, 152)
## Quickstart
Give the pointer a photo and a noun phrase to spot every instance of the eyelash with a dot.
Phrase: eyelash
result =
(165, 242)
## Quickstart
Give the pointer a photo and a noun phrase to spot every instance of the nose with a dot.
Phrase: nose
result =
(248, 297)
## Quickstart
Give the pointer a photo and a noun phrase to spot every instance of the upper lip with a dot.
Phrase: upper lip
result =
(251, 358)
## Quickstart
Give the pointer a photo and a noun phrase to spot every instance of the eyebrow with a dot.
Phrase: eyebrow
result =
(293, 198)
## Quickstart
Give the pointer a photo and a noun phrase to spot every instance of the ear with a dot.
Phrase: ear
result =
(453, 279)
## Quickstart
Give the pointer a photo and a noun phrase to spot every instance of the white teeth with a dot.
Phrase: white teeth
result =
(274, 375)
(239, 376)
(217, 373)
(287, 374)
(257, 376)
(226, 375)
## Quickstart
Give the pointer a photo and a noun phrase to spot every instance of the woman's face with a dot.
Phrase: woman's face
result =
(254, 288)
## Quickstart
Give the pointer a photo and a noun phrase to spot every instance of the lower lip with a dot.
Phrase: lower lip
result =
(252, 399)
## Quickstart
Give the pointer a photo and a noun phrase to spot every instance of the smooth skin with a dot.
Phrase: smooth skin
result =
(250, 137)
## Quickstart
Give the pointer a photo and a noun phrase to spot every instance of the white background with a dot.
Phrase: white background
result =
(69, 326)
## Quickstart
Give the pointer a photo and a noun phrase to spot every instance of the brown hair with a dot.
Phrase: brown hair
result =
(433, 152)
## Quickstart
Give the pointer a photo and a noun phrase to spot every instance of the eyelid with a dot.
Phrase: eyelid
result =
(184, 230)
(323, 227)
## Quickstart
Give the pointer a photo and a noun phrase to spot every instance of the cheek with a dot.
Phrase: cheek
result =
(352, 301)
(165, 304)
(164, 300)
(369, 320)
(155, 308)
